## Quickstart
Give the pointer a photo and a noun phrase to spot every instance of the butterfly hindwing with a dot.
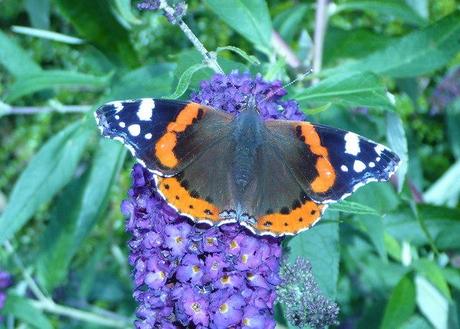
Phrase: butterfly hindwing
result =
(161, 133)
(276, 201)
(202, 191)
(343, 161)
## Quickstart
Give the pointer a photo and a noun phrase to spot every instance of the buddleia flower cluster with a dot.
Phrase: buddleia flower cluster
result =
(302, 299)
(188, 275)
(446, 92)
(5, 282)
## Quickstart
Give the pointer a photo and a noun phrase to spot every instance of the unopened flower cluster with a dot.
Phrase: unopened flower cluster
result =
(302, 299)
(174, 13)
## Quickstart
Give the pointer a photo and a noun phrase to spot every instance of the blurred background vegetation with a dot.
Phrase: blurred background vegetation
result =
(390, 71)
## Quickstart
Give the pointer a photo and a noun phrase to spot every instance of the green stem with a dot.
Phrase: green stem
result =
(209, 58)
(51, 307)
(25, 272)
(48, 305)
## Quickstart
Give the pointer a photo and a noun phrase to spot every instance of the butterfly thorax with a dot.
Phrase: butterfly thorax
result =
(248, 128)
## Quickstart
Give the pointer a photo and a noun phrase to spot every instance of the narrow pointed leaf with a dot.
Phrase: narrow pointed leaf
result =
(250, 18)
(359, 89)
(48, 171)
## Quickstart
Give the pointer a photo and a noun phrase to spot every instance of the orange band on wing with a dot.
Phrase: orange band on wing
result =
(164, 147)
(164, 150)
(313, 140)
(180, 198)
(184, 118)
(298, 219)
(326, 173)
(326, 176)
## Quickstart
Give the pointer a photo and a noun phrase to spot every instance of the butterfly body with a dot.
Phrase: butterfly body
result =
(275, 177)
(248, 130)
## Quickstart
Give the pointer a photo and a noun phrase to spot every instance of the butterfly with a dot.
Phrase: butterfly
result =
(275, 177)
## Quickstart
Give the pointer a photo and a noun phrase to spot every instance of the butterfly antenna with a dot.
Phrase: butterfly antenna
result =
(298, 78)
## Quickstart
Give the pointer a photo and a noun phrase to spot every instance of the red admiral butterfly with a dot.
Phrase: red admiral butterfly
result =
(274, 177)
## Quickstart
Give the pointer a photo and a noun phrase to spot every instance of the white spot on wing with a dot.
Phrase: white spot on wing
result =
(352, 143)
(379, 149)
(148, 136)
(358, 166)
(122, 124)
(371, 164)
(145, 111)
(117, 104)
(344, 168)
(134, 130)
(117, 117)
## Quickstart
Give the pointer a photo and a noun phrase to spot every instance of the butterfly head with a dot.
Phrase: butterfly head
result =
(249, 104)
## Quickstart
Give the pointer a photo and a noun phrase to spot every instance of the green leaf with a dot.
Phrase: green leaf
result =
(30, 83)
(24, 310)
(433, 273)
(443, 225)
(190, 57)
(125, 11)
(351, 207)
(372, 225)
(340, 44)
(39, 13)
(147, 81)
(45, 34)
(320, 245)
(359, 89)
(446, 189)
(452, 276)
(250, 58)
(397, 141)
(417, 53)
(317, 110)
(184, 80)
(401, 305)
(432, 303)
(48, 171)
(80, 206)
(95, 22)
(453, 127)
(392, 247)
(15, 59)
(289, 22)
(250, 18)
(390, 8)
(416, 322)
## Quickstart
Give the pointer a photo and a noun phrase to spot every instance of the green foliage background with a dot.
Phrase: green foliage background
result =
(388, 255)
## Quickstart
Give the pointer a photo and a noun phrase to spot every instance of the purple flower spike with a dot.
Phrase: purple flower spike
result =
(6, 281)
(194, 276)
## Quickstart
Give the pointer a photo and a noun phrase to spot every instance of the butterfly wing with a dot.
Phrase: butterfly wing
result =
(202, 191)
(164, 135)
(303, 167)
(183, 143)
(275, 201)
(343, 160)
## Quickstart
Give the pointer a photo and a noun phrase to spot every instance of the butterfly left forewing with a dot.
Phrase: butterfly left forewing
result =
(161, 134)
